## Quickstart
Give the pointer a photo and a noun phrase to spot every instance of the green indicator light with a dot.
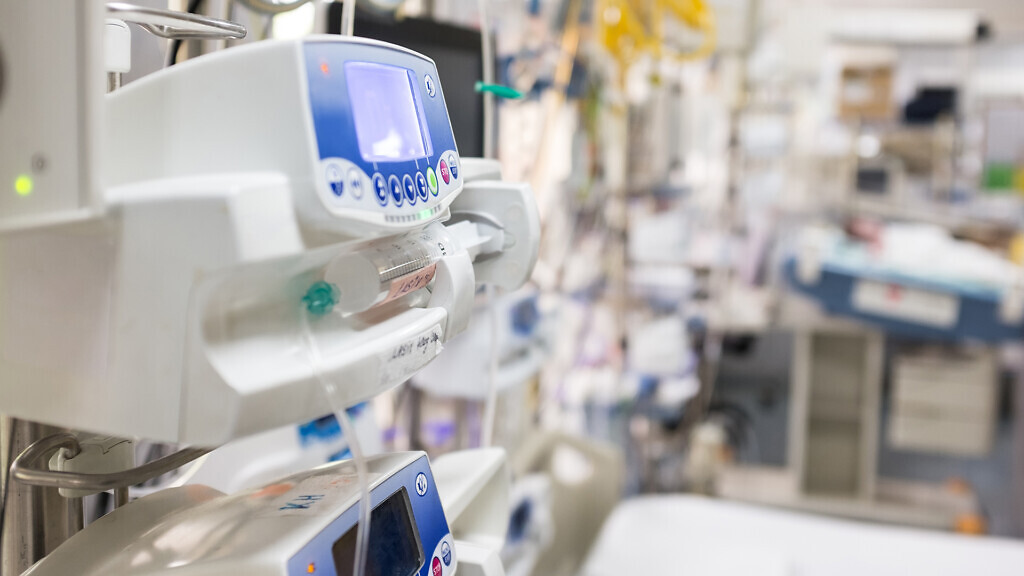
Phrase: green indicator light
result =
(424, 214)
(23, 185)
(432, 181)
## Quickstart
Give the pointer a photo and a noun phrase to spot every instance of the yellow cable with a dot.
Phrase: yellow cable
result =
(707, 47)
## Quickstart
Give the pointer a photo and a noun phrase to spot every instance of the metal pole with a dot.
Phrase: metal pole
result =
(120, 496)
(415, 403)
(36, 520)
(113, 81)
(76, 515)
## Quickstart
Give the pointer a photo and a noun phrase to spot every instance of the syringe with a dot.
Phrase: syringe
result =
(385, 270)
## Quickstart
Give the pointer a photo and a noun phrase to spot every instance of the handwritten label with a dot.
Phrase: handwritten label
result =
(410, 283)
(407, 358)
(302, 502)
(316, 495)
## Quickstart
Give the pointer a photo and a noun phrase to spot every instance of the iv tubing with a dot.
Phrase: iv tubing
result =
(363, 533)
(487, 429)
(487, 53)
(348, 18)
(349, 433)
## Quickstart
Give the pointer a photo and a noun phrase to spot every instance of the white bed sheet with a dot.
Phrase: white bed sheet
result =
(692, 535)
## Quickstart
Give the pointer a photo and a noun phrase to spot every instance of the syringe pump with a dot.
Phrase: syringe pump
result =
(236, 184)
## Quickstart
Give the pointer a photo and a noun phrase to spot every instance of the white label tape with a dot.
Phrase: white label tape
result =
(407, 358)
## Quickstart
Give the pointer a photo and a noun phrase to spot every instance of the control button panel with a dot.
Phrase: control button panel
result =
(403, 194)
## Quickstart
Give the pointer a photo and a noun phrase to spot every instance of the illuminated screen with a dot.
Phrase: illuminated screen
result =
(390, 124)
(394, 547)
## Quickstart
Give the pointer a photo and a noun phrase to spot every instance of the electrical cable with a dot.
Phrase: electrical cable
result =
(699, 16)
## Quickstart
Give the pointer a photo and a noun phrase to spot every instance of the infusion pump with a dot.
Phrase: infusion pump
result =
(247, 193)
(301, 525)
(359, 128)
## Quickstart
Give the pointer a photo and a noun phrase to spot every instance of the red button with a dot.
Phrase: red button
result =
(445, 175)
(435, 564)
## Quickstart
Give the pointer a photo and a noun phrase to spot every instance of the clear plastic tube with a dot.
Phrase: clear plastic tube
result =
(491, 406)
(332, 391)
(348, 11)
(487, 53)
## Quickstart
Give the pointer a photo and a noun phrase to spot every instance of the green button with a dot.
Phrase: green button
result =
(432, 181)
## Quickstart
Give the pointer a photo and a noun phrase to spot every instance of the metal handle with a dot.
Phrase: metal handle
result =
(176, 25)
(28, 469)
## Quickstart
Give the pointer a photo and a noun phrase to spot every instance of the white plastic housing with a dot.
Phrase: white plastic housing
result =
(474, 486)
(178, 317)
(51, 86)
(462, 371)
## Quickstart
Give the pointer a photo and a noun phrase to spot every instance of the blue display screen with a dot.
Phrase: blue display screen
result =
(394, 548)
(389, 119)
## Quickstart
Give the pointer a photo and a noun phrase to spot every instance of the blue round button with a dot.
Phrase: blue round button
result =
(334, 179)
(421, 186)
(410, 190)
(396, 190)
(453, 166)
(380, 189)
(355, 183)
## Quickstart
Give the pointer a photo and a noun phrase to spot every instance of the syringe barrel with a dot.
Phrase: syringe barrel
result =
(383, 271)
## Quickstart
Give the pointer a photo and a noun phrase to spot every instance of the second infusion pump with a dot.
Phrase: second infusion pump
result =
(363, 133)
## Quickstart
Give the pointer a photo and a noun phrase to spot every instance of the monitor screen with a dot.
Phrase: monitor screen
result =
(389, 118)
(455, 50)
(394, 547)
